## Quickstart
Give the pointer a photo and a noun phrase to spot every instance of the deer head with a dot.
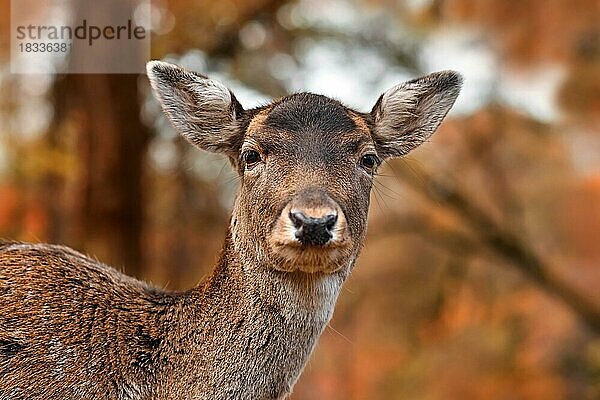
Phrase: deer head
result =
(306, 162)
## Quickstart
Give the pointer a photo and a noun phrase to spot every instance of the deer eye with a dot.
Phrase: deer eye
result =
(251, 158)
(369, 162)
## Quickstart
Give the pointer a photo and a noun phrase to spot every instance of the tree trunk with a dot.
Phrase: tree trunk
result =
(112, 145)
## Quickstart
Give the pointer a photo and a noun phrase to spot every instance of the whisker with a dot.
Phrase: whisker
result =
(385, 175)
(376, 193)
(387, 208)
(339, 333)
(221, 170)
(381, 185)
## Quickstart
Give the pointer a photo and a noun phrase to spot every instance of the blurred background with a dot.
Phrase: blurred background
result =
(481, 274)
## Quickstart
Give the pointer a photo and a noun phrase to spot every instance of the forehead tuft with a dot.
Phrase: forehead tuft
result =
(305, 112)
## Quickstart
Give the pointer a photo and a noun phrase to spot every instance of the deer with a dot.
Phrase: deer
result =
(74, 328)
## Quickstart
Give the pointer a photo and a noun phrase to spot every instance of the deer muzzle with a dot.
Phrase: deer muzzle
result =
(311, 232)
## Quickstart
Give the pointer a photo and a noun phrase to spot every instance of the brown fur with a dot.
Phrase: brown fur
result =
(73, 328)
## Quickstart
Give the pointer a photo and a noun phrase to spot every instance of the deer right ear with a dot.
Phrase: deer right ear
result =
(203, 110)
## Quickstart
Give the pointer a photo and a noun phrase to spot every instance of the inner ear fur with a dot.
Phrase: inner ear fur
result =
(203, 110)
(409, 113)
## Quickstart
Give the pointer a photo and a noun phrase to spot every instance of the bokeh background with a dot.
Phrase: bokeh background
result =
(481, 274)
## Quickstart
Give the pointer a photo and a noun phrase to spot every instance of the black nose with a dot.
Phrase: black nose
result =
(313, 231)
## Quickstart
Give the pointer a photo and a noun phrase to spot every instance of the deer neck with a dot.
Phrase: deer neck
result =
(261, 324)
(241, 277)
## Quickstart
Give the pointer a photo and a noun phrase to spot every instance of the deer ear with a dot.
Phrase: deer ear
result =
(203, 110)
(409, 113)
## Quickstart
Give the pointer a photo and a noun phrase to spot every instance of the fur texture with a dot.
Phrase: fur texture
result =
(73, 328)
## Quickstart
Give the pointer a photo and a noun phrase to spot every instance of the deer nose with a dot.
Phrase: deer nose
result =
(313, 231)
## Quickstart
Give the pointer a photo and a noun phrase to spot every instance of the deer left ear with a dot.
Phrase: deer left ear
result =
(408, 114)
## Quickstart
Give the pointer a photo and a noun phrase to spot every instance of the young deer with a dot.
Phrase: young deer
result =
(73, 328)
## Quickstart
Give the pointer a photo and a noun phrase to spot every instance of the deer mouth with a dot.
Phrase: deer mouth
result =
(310, 259)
